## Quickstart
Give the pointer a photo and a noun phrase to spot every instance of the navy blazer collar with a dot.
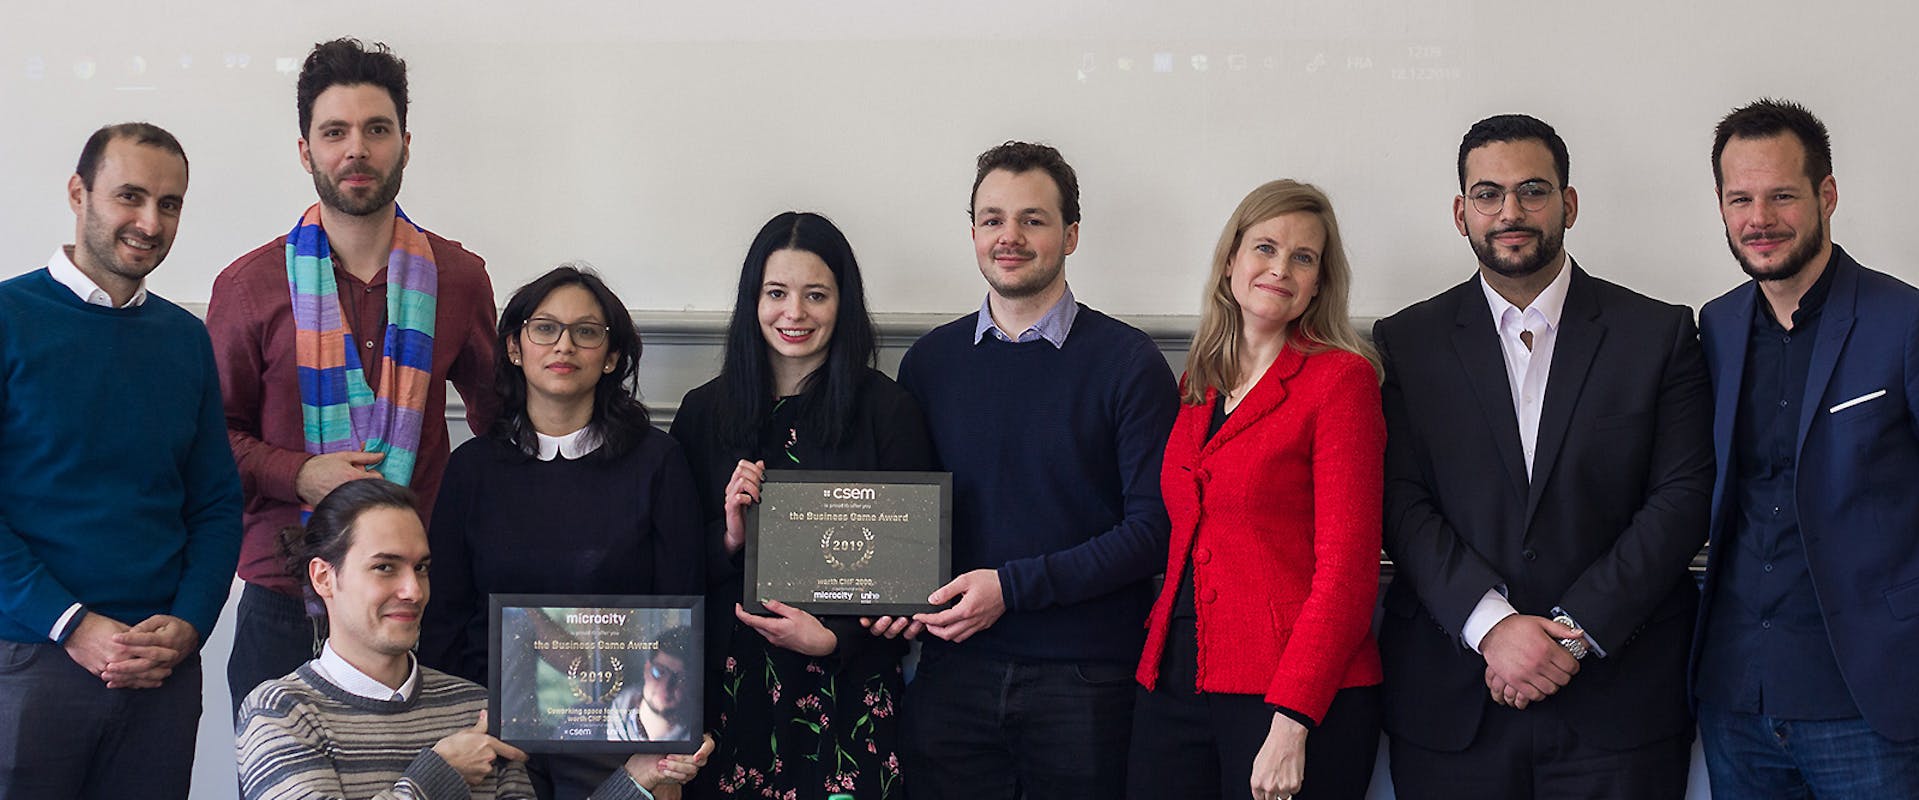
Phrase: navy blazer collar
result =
(1729, 346)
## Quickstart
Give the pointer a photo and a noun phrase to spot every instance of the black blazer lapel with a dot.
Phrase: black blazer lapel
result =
(1476, 342)
(1575, 345)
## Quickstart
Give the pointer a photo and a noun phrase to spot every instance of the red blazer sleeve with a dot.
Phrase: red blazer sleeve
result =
(1348, 474)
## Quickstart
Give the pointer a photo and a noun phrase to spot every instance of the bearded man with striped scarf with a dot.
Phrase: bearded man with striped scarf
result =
(335, 343)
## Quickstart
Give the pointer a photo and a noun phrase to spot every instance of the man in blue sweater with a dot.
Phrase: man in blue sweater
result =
(119, 503)
(1052, 418)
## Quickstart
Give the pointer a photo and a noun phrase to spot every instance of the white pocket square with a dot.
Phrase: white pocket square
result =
(1864, 398)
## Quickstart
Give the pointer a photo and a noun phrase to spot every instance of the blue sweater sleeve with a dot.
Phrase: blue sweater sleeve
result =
(211, 510)
(28, 593)
(1143, 403)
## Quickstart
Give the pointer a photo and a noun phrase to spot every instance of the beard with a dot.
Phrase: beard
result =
(102, 246)
(1795, 262)
(382, 195)
(1039, 274)
(1546, 247)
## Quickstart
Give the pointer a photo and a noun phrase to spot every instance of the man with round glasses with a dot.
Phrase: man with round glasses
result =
(336, 342)
(1548, 461)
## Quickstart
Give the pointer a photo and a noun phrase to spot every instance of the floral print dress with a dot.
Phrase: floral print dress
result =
(795, 727)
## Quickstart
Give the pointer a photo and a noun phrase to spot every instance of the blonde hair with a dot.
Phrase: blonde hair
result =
(1213, 361)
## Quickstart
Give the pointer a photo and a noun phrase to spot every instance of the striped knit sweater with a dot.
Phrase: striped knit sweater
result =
(303, 737)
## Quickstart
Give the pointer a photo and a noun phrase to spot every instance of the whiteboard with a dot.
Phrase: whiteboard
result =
(653, 139)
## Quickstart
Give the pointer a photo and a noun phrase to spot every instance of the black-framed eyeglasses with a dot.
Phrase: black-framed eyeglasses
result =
(1489, 199)
(586, 335)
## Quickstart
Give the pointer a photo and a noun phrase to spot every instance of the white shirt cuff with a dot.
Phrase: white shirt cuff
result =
(1491, 609)
(60, 625)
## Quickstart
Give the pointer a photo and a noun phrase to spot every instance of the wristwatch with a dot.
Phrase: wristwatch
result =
(1577, 647)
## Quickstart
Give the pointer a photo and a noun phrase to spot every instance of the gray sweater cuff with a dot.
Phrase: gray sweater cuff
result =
(437, 779)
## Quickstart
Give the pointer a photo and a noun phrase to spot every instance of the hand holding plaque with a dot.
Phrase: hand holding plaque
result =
(742, 491)
(863, 543)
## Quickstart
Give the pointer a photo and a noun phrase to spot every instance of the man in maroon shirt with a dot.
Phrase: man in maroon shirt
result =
(353, 141)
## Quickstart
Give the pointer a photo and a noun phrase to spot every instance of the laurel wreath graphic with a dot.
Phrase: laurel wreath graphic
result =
(833, 558)
(575, 680)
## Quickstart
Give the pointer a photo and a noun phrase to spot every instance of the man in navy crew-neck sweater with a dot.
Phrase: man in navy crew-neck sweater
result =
(119, 503)
(1052, 418)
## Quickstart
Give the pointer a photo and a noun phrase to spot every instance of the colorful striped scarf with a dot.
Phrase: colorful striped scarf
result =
(340, 412)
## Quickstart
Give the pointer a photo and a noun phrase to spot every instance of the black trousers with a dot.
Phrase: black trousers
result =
(272, 637)
(558, 776)
(64, 735)
(1191, 744)
(981, 728)
(1521, 755)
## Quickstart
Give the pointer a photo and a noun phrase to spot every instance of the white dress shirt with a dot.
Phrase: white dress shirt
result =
(359, 684)
(70, 276)
(1526, 372)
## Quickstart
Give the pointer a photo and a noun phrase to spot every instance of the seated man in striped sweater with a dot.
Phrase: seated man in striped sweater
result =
(365, 720)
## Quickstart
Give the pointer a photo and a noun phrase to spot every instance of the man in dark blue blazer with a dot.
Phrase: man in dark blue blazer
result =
(1808, 646)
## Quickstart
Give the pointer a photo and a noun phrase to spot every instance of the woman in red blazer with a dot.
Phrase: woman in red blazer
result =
(1260, 670)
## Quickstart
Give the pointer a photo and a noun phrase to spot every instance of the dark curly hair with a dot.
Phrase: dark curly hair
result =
(348, 62)
(1018, 157)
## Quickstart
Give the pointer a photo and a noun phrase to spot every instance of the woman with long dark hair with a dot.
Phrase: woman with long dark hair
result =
(573, 492)
(802, 706)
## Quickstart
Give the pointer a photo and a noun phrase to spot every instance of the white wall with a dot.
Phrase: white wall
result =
(653, 138)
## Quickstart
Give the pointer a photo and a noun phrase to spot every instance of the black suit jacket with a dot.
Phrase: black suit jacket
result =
(1615, 510)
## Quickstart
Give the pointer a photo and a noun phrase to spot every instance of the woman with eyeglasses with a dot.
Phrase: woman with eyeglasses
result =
(802, 707)
(573, 492)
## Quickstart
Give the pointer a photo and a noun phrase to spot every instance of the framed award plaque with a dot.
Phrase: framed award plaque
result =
(865, 543)
(596, 673)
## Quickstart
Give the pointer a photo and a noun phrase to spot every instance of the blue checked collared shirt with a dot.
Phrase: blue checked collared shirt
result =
(1053, 327)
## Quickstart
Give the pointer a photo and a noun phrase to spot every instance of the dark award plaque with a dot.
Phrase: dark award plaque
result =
(841, 542)
(596, 673)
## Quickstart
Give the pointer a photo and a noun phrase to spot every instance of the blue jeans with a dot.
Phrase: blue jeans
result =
(1756, 756)
(982, 728)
